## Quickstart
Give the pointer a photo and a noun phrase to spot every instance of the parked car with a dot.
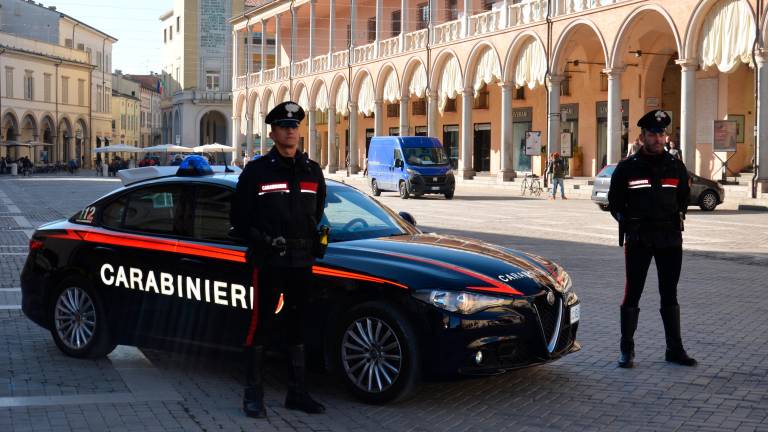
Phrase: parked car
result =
(705, 193)
(409, 165)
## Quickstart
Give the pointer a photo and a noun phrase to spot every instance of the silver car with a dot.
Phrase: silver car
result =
(705, 193)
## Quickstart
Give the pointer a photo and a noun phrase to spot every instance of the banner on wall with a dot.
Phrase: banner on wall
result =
(725, 132)
(533, 143)
(566, 144)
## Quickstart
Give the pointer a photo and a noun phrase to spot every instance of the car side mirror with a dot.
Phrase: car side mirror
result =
(408, 217)
(399, 163)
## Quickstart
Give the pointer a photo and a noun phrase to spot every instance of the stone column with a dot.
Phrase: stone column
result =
(404, 126)
(378, 117)
(277, 45)
(332, 165)
(614, 114)
(506, 173)
(235, 60)
(312, 131)
(465, 20)
(312, 35)
(379, 26)
(263, 49)
(432, 114)
(762, 119)
(263, 141)
(331, 30)
(553, 116)
(403, 23)
(688, 112)
(292, 50)
(352, 25)
(248, 134)
(236, 131)
(354, 160)
(465, 161)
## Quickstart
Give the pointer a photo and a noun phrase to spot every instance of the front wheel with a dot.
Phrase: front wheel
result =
(708, 201)
(604, 207)
(449, 195)
(375, 188)
(79, 323)
(379, 359)
(404, 194)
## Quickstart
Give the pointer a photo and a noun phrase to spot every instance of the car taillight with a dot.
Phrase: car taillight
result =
(35, 244)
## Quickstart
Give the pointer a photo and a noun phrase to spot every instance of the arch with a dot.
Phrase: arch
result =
(65, 125)
(387, 76)
(265, 98)
(483, 56)
(81, 139)
(303, 99)
(414, 78)
(364, 92)
(562, 41)
(696, 24)
(240, 102)
(10, 114)
(252, 99)
(626, 27)
(318, 95)
(47, 130)
(339, 90)
(297, 89)
(281, 93)
(212, 127)
(447, 63)
(441, 60)
(518, 43)
(28, 124)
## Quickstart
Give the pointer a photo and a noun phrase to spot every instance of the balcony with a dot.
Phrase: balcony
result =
(529, 12)
(389, 47)
(416, 40)
(253, 79)
(268, 75)
(486, 22)
(363, 53)
(212, 96)
(301, 68)
(240, 82)
(566, 7)
(320, 63)
(447, 32)
(283, 72)
(339, 59)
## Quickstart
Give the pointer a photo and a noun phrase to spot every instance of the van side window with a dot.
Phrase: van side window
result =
(398, 155)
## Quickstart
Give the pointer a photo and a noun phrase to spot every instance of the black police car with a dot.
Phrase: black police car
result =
(152, 263)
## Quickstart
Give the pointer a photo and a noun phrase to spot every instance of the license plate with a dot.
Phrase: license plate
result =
(435, 187)
(575, 313)
(600, 194)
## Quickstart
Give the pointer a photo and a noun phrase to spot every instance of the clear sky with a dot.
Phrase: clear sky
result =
(134, 23)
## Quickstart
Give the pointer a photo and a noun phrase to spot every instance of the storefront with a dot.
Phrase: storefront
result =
(482, 148)
(522, 121)
(451, 144)
(602, 132)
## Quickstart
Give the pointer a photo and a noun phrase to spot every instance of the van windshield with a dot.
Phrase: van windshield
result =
(425, 156)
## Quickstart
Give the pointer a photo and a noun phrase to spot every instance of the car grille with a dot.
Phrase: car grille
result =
(548, 317)
(430, 180)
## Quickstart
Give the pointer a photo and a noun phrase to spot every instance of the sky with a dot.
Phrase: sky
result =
(134, 23)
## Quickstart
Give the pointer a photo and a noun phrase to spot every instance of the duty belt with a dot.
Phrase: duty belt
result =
(298, 243)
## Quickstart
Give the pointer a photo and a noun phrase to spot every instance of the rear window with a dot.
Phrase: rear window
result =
(607, 171)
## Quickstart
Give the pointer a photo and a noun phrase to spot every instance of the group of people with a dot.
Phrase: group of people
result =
(669, 146)
(24, 164)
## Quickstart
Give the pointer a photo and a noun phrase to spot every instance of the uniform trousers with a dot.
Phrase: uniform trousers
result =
(638, 255)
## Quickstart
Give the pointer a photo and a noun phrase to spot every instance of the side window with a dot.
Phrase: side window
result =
(398, 155)
(112, 215)
(155, 210)
(211, 217)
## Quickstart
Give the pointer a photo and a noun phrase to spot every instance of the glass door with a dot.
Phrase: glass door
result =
(451, 144)
(522, 162)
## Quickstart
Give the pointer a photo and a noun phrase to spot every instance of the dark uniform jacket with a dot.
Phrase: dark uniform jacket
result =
(649, 198)
(279, 197)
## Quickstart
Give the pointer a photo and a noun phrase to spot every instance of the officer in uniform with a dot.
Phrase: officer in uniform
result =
(277, 206)
(649, 197)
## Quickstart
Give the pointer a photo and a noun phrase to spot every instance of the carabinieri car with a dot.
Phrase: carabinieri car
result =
(152, 264)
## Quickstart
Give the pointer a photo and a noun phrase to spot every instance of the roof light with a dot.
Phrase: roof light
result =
(194, 166)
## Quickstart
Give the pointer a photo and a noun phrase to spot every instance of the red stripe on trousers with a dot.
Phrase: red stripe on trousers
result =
(255, 310)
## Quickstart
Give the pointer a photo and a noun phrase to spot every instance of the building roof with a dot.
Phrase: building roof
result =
(148, 82)
(63, 15)
(127, 96)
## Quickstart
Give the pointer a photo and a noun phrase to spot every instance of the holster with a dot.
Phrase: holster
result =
(321, 241)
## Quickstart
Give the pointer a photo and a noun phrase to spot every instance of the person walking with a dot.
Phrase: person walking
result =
(278, 203)
(649, 197)
(556, 171)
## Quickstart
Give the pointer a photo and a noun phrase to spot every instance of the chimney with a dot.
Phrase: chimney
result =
(53, 8)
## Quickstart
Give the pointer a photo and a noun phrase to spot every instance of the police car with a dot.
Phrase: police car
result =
(152, 264)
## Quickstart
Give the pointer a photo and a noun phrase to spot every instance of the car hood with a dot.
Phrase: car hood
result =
(431, 170)
(431, 261)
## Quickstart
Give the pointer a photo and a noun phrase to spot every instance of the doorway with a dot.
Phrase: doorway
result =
(482, 150)
(451, 144)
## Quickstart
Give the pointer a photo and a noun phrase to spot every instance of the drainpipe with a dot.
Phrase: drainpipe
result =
(1, 103)
(549, 73)
(74, 46)
(755, 154)
(56, 98)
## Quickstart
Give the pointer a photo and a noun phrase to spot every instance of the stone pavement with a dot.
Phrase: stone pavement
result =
(723, 312)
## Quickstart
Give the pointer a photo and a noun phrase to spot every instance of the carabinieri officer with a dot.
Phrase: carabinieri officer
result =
(649, 197)
(277, 206)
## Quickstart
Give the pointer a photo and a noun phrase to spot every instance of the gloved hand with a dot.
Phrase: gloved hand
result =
(278, 245)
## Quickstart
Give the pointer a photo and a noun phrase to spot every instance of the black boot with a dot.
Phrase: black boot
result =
(629, 317)
(297, 397)
(675, 352)
(253, 399)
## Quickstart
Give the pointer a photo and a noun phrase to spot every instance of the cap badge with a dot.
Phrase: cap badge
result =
(660, 115)
(291, 108)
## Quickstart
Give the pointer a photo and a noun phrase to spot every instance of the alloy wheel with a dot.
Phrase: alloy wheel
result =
(371, 354)
(75, 318)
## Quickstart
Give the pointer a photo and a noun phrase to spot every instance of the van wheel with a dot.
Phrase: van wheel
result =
(449, 195)
(375, 188)
(404, 194)
(708, 201)
(377, 353)
(604, 207)
(79, 322)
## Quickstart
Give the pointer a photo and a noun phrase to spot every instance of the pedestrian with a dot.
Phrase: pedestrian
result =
(278, 203)
(3, 165)
(635, 147)
(672, 149)
(649, 197)
(556, 170)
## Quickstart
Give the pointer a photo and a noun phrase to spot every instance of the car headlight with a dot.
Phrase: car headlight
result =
(563, 281)
(460, 301)
(449, 173)
(411, 172)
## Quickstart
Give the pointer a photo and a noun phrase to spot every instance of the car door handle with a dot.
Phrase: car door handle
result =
(190, 261)
(104, 249)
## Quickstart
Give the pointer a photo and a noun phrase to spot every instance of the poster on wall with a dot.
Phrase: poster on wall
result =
(566, 144)
(725, 132)
(533, 143)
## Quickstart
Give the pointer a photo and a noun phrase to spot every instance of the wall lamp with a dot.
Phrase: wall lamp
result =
(579, 62)
(640, 53)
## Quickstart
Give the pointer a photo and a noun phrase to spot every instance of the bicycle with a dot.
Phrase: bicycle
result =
(532, 184)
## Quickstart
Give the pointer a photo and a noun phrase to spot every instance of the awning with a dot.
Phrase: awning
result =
(270, 103)
(531, 66)
(727, 36)
(322, 99)
(342, 99)
(487, 70)
(418, 85)
(304, 99)
(366, 99)
(391, 88)
(450, 83)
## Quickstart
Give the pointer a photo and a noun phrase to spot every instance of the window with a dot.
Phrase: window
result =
(394, 131)
(165, 35)
(107, 63)
(29, 86)
(488, 4)
(419, 107)
(81, 92)
(396, 22)
(422, 18)
(212, 80)
(451, 10)
(64, 90)
(154, 210)
(8, 82)
(211, 214)
(68, 43)
(170, 33)
(47, 87)
(90, 55)
(122, 121)
(98, 98)
(321, 117)
(565, 87)
(519, 93)
(481, 100)
(371, 29)
(142, 119)
(450, 105)
(81, 47)
(393, 110)
(113, 124)
(99, 60)
(178, 24)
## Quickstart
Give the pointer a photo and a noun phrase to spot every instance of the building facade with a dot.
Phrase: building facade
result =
(126, 111)
(196, 90)
(43, 100)
(504, 83)
(151, 132)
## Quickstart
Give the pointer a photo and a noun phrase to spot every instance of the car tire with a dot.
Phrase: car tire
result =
(604, 207)
(79, 324)
(708, 200)
(403, 189)
(375, 188)
(449, 195)
(394, 353)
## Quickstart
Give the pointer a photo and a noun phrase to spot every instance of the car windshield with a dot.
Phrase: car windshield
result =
(425, 156)
(353, 215)
(607, 171)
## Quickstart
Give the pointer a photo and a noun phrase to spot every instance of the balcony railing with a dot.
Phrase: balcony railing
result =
(253, 79)
(363, 53)
(283, 72)
(486, 22)
(320, 63)
(565, 7)
(389, 47)
(339, 59)
(447, 32)
(269, 75)
(211, 96)
(301, 68)
(240, 81)
(529, 12)
(416, 40)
